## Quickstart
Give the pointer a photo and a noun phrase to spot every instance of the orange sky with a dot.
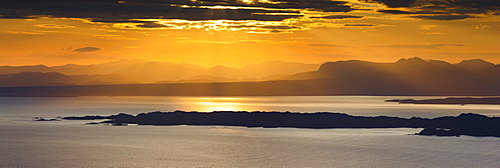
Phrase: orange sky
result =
(237, 33)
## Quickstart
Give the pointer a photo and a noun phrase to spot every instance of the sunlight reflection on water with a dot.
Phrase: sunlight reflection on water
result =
(353, 105)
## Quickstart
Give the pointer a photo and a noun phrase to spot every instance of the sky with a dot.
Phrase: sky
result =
(236, 33)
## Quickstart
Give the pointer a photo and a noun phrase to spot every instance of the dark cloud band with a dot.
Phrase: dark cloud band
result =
(340, 17)
(441, 9)
(126, 11)
(443, 17)
(122, 11)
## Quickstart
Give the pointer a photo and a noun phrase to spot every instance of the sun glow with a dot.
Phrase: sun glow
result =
(240, 32)
(220, 104)
(247, 1)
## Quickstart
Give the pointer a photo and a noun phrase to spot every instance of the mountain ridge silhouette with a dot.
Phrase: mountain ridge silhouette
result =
(413, 76)
(139, 71)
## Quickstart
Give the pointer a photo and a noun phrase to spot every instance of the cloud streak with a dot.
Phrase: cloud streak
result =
(480, 26)
(423, 46)
(54, 26)
(87, 49)
(340, 17)
(327, 45)
(443, 17)
(114, 37)
(427, 27)
(24, 32)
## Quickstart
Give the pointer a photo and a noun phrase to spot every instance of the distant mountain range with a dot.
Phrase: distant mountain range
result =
(137, 71)
(413, 76)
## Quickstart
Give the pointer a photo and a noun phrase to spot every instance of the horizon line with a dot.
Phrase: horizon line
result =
(180, 63)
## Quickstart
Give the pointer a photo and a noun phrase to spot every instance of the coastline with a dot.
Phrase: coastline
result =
(451, 100)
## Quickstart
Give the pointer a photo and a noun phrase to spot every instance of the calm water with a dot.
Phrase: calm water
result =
(24, 143)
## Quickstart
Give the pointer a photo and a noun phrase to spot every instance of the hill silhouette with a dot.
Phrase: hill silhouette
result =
(58, 79)
(139, 71)
(464, 124)
(475, 64)
(19, 69)
(413, 76)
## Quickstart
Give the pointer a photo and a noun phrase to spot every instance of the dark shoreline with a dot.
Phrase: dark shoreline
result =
(451, 100)
(464, 124)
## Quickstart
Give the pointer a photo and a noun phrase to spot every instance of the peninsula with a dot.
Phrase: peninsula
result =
(451, 100)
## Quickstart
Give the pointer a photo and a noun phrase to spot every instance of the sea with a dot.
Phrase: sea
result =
(28, 143)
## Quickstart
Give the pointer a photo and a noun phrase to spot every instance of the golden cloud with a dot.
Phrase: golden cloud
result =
(54, 26)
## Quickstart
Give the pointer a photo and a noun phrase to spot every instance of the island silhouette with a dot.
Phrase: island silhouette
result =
(465, 124)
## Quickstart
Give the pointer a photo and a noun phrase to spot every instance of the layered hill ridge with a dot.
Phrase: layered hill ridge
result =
(138, 71)
(413, 76)
(58, 79)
